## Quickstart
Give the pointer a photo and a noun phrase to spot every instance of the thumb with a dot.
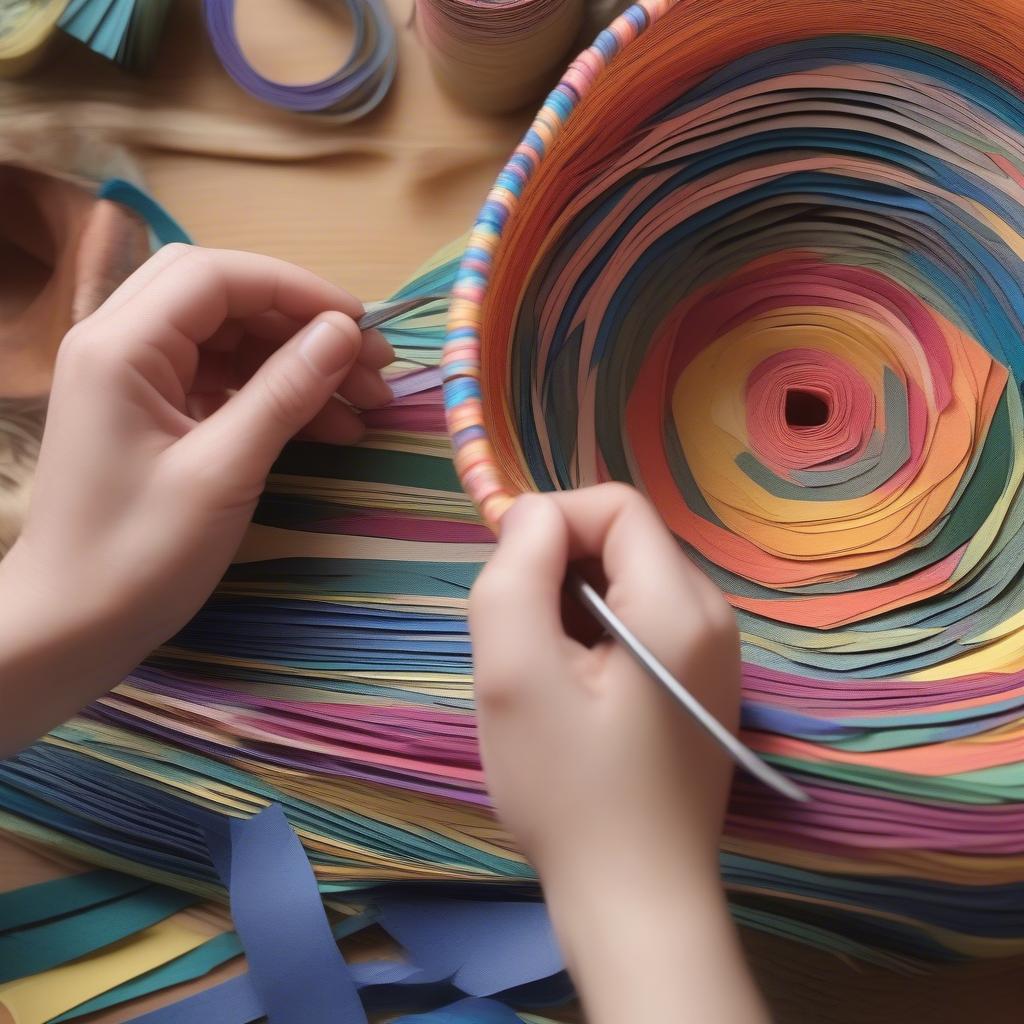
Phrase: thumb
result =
(282, 396)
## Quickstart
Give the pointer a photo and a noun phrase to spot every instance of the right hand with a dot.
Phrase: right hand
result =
(589, 763)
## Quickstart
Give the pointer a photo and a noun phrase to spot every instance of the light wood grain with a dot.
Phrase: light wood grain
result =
(364, 221)
(418, 173)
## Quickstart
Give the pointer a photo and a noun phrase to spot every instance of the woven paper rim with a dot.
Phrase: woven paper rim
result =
(475, 460)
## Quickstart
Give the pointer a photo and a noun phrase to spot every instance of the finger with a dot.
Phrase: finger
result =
(232, 355)
(268, 331)
(671, 606)
(515, 606)
(377, 350)
(135, 282)
(616, 524)
(271, 330)
(282, 397)
(652, 586)
(195, 294)
(365, 388)
(335, 423)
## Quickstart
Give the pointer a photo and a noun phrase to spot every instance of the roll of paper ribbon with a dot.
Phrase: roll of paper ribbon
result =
(26, 26)
(498, 55)
(350, 93)
(126, 31)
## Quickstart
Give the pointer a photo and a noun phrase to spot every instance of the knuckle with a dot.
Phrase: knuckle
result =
(198, 264)
(86, 351)
(190, 262)
(75, 340)
(176, 250)
(631, 503)
(539, 515)
(622, 493)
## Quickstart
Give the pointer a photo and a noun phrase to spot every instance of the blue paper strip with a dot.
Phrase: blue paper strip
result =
(479, 1011)
(295, 966)
(485, 947)
(161, 223)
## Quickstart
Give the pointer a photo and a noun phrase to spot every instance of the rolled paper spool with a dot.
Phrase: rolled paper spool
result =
(498, 56)
(127, 32)
(26, 28)
(767, 264)
(351, 92)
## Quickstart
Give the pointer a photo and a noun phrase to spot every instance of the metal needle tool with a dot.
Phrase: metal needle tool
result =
(739, 752)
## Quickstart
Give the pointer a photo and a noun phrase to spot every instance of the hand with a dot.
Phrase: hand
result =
(585, 754)
(169, 406)
(612, 791)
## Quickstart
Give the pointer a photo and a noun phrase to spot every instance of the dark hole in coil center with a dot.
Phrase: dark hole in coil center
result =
(805, 409)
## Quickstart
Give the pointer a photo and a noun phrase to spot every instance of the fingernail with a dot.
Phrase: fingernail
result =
(327, 347)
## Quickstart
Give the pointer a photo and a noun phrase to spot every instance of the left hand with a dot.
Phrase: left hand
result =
(169, 406)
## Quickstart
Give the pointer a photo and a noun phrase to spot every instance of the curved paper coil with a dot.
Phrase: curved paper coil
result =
(767, 267)
(498, 55)
(351, 92)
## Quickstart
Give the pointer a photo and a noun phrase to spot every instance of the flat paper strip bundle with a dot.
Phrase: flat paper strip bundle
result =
(73, 946)
(769, 269)
(498, 55)
(129, 32)
(125, 31)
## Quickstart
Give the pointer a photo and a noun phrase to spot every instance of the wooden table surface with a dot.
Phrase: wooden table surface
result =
(391, 190)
